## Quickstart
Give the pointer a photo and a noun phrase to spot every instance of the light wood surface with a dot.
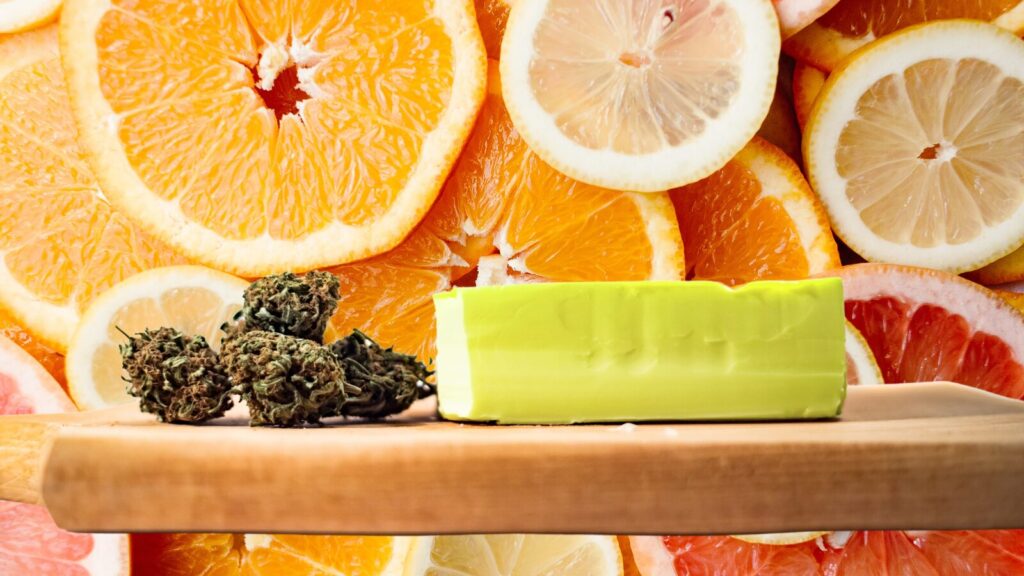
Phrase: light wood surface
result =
(919, 456)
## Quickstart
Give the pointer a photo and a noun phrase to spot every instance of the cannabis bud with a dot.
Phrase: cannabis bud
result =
(285, 381)
(298, 306)
(175, 377)
(388, 382)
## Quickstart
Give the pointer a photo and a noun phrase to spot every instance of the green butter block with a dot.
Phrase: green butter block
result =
(636, 351)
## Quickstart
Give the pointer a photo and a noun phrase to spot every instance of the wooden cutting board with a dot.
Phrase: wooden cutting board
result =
(916, 456)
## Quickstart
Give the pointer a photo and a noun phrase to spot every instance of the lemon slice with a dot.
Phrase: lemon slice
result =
(780, 539)
(515, 555)
(639, 95)
(193, 299)
(18, 15)
(915, 146)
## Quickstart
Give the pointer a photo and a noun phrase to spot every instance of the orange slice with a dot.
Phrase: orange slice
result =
(855, 23)
(503, 200)
(640, 96)
(807, 84)
(267, 554)
(915, 145)
(18, 15)
(781, 128)
(924, 325)
(1016, 299)
(1006, 270)
(49, 358)
(193, 299)
(256, 138)
(755, 219)
(492, 15)
(60, 242)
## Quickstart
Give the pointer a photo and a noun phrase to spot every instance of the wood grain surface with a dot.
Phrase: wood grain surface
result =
(918, 456)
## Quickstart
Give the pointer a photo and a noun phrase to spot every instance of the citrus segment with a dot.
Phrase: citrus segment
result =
(861, 367)
(877, 553)
(852, 24)
(266, 554)
(502, 200)
(18, 15)
(924, 325)
(720, 555)
(192, 299)
(914, 146)
(60, 243)
(492, 15)
(639, 95)
(978, 552)
(515, 555)
(257, 138)
(755, 219)
(795, 15)
(807, 84)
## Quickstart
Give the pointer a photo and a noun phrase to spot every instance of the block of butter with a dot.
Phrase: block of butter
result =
(568, 353)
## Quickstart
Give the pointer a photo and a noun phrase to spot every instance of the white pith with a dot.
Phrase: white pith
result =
(868, 372)
(17, 15)
(836, 106)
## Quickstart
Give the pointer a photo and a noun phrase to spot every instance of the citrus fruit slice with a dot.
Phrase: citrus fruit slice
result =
(852, 24)
(639, 95)
(781, 538)
(915, 147)
(502, 200)
(267, 554)
(492, 15)
(1016, 299)
(923, 326)
(795, 15)
(193, 299)
(720, 555)
(973, 552)
(781, 128)
(31, 542)
(18, 15)
(807, 84)
(256, 138)
(754, 219)
(1006, 270)
(60, 243)
(49, 358)
(861, 366)
(515, 555)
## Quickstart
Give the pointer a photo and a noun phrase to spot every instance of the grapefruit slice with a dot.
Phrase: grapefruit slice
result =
(256, 138)
(852, 24)
(31, 542)
(503, 201)
(49, 358)
(193, 299)
(60, 242)
(924, 325)
(515, 555)
(267, 554)
(18, 15)
(915, 147)
(720, 555)
(807, 84)
(640, 96)
(754, 219)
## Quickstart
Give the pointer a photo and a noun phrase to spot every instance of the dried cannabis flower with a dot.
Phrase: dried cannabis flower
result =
(285, 381)
(175, 377)
(389, 382)
(298, 306)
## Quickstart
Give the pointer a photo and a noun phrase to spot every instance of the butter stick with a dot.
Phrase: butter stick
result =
(639, 351)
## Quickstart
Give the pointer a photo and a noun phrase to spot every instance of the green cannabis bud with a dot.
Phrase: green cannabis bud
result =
(178, 378)
(389, 382)
(284, 380)
(288, 304)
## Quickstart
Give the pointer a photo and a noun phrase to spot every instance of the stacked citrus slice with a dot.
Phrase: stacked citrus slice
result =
(914, 145)
(256, 137)
(18, 15)
(515, 555)
(637, 95)
(502, 200)
(852, 24)
(60, 242)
